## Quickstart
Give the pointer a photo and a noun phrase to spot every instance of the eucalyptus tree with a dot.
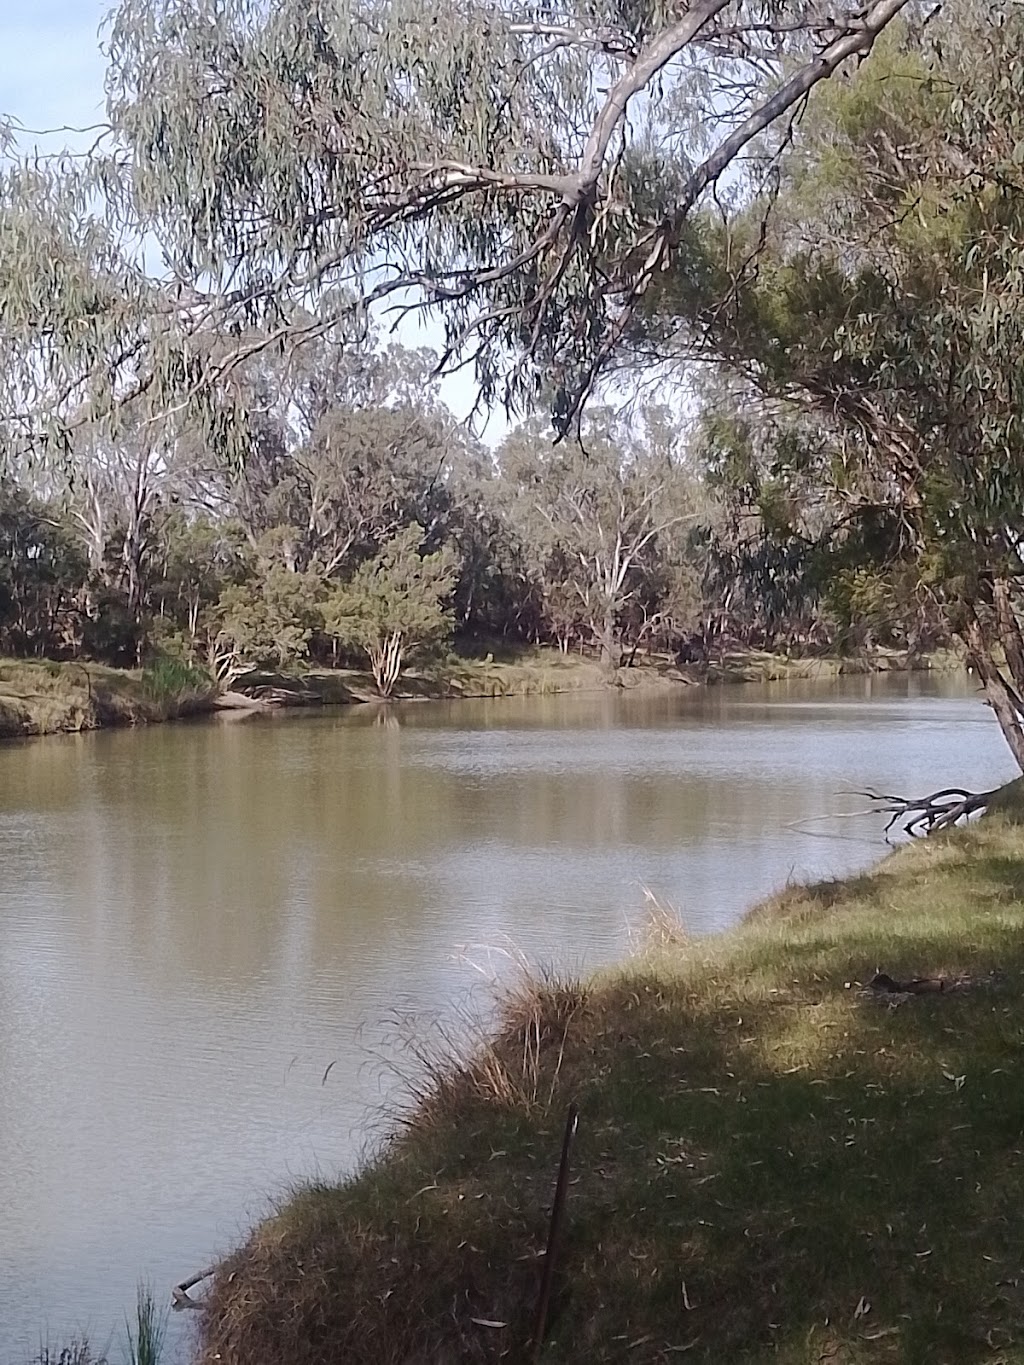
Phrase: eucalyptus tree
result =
(271, 170)
(115, 484)
(595, 509)
(343, 442)
(41, 572)
(394, 604)
(199, 558)
(885, 295)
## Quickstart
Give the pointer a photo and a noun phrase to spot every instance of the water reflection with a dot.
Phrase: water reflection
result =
(196, 920)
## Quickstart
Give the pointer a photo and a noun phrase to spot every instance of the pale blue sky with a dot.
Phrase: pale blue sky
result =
(51, 69)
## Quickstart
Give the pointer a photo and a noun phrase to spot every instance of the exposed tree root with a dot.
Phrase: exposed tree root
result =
(921, 816)
(180, 1295)
(888, 991)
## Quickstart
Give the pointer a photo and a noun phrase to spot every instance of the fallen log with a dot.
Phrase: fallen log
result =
(239, 701)
(923, 815)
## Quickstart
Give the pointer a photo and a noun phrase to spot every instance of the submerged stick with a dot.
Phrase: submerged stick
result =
(554, 1229)
(180, 1295)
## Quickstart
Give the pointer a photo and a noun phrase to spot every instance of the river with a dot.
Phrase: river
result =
(211, 933)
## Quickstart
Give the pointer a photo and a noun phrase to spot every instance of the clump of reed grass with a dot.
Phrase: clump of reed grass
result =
(508, 1054)
(166, 678)
(146, 1336)
(661, 926)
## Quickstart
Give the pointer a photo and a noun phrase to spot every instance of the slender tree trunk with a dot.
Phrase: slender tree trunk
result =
(611, 651)
(386, 662)
(1008, 630)
(1003, 699)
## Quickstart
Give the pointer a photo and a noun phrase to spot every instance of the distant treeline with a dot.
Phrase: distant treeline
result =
(362, 521)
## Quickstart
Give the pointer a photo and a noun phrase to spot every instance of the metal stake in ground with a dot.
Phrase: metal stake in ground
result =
(554, 1231)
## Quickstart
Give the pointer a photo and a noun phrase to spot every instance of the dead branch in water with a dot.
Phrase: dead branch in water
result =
(180, 1295)
(921, 816)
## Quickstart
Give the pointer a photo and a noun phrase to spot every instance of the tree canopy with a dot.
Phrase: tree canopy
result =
(200, 402)
(268, 172)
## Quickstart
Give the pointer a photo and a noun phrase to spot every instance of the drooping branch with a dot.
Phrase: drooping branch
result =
(293, 173)
(857, 40)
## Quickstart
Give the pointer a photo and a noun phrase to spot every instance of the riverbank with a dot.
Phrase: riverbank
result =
(774, 1160)
(543, 670)
(40, 697)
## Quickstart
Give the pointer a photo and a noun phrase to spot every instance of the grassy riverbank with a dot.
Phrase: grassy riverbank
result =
(543, 670)
(772, 1165)
(39, 697)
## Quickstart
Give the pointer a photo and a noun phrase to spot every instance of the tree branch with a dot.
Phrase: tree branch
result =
(856, 41)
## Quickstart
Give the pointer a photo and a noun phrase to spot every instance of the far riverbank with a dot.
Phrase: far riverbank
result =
(43, 697)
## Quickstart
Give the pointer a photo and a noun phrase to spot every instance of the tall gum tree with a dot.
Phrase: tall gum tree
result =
(270, 169)
(882, 291)
(597, 511)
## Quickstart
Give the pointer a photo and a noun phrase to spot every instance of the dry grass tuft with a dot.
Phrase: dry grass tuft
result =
(509, 1056)
(660, 928)
(417, 1268)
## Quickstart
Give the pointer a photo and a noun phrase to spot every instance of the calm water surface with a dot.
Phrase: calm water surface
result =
(196, 921)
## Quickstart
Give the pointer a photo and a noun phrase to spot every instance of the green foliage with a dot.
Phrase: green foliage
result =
(111, 631)
(397, 602)
(878, 299)
(167, 677)
(41, 573)
(293, 168)
(270, 627)
(200, 557)
(863, 603)
(601, 516)
(146, 1338)
(520, 172)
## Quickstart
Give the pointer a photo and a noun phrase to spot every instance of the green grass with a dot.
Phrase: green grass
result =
(42, 697)
(167, 680)
(770, 1166)
(146, 1337)
(143, 1344)
(543, 670)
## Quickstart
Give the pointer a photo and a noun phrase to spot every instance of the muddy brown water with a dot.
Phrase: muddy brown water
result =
(209, 930)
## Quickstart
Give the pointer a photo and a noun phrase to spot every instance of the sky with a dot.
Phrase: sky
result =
(51, 75)
(51, 68)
